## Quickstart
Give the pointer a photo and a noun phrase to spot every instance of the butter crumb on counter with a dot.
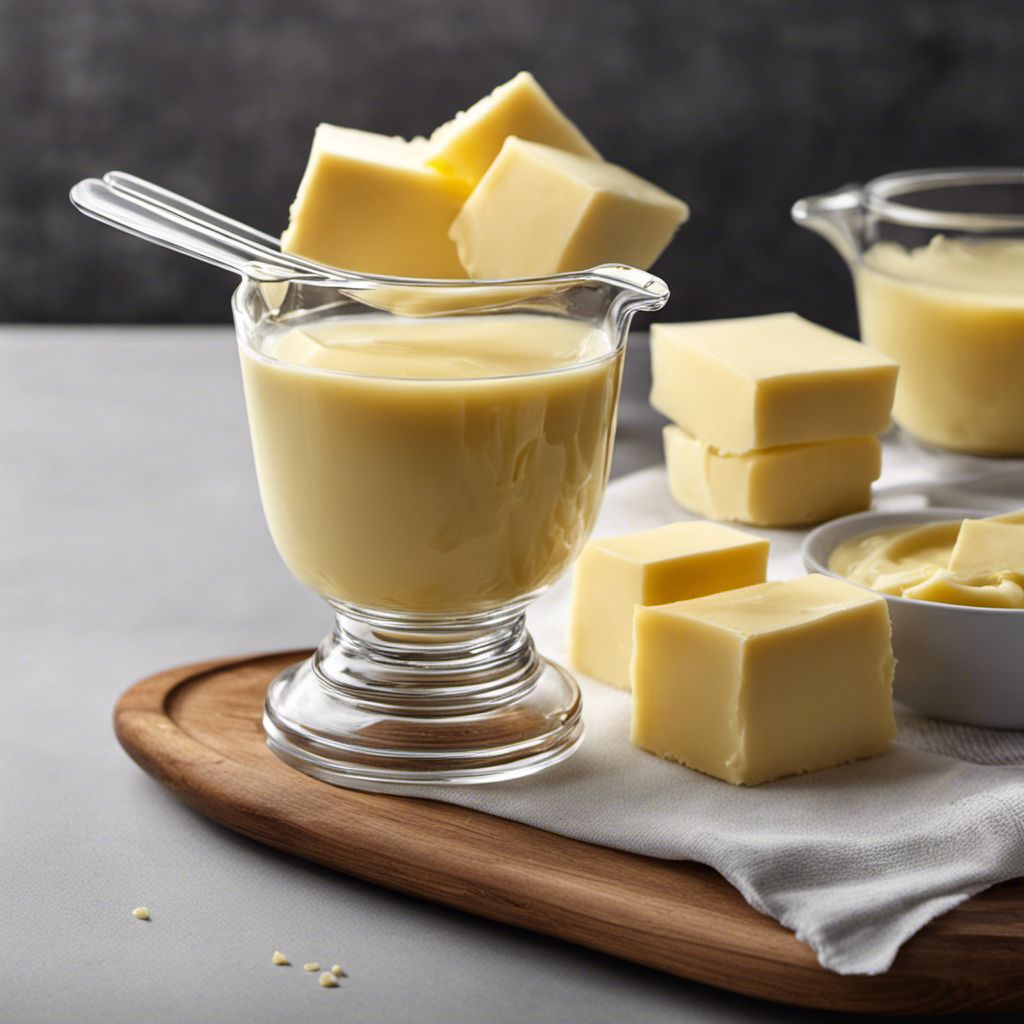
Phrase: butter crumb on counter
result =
(142, 913)
(311, 967)
(328, 980)
(280, 959)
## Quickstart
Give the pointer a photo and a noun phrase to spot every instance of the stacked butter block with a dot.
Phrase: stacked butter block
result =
(766, 681)
(736, 677)
(508, 188)
(370, 203)
(613, 575)
(775, 419)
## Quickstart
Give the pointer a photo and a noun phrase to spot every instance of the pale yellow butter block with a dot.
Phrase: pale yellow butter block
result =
(761, 381)
(539, 210)
(987, 547)
(669, 563)
(369, 203)
(467, 145)
(788, 485)
(1016, 516)
(766, 681)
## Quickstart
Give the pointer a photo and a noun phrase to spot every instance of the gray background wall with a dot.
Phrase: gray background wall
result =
(738, 106)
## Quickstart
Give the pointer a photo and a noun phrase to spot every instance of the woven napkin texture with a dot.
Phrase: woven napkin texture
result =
(854, 859)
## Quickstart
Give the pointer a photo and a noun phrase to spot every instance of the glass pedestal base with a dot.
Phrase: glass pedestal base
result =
(387, 703)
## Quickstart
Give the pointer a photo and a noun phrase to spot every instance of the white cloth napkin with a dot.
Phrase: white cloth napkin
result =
(854, 859)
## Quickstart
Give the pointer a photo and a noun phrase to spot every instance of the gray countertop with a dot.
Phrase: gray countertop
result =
(131, 539)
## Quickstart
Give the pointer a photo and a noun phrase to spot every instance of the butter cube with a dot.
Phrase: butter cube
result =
(1017, 516)
(988, 547)
(789, 485)
(760, 381)
(669, 563)
(539, 210)
(766, 681)
(369, 203)
(467, 145)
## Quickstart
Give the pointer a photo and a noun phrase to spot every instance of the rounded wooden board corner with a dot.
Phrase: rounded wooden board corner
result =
(197, 729)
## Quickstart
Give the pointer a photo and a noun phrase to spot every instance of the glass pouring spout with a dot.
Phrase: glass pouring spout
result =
(836, 216)
(911, 207)
(431, 456)
(606, 297)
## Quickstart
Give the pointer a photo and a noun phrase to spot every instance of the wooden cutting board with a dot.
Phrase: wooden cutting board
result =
(197, 729)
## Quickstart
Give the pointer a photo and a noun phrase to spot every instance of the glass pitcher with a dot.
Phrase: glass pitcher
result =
(937, 259)
(431, 456)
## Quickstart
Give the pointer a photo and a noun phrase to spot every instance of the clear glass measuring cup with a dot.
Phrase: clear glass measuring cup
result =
(937, 258)
(431, 456)
(428, 501)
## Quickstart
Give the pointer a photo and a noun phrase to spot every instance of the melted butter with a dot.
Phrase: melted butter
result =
(448, 349)
(951, 313)
(991, 266)
(450, 464)
(914, 562)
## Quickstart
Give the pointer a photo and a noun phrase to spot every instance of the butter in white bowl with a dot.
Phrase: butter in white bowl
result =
(977, 562)
(957, 661)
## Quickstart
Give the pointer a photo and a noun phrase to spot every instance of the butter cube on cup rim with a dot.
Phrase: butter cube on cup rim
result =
(509, 188)
(539, 210)
(369, 203)
(467, 145)
(669, 563)
(766, 681)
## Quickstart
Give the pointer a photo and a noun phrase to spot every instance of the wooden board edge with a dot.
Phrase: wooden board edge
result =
(784, 971)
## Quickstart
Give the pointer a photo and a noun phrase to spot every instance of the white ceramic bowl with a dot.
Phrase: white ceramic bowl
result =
(957, 663)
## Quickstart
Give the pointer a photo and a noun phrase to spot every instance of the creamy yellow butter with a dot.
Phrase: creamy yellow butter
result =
(370, 203)
(952, 314)
(765, 681)
(918, 561)
(438, 465)
(787, 485)
(540, 210)
(762, 381)
(669, 563)
(467, 145)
